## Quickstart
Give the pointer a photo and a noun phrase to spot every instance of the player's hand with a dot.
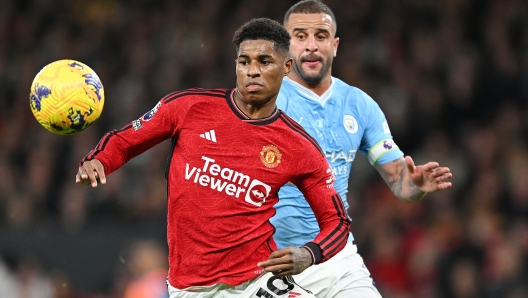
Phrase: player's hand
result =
(91, 172)
(429, 177)
(287, 261)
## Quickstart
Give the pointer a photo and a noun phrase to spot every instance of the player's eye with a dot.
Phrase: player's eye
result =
(265, 62)
(301, 36)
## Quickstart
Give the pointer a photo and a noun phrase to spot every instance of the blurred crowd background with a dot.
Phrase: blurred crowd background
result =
(450, 75)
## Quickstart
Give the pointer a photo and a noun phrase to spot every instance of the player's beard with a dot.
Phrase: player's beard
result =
(313, 79)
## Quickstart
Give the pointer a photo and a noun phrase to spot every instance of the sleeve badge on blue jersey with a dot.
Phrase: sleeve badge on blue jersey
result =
(380, 149)
(388, 144)
(386, 127)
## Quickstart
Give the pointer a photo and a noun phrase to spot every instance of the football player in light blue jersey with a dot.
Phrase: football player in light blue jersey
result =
(345, 121)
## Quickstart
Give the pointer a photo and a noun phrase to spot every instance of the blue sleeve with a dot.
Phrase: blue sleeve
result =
(377, 143)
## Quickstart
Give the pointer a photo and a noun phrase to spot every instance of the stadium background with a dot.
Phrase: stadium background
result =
(451, 76)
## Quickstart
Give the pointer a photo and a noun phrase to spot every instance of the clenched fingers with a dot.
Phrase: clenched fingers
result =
(276, 261)
(90, 173)
(279, 262)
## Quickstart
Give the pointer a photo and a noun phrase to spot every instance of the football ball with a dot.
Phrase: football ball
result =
(66, 97)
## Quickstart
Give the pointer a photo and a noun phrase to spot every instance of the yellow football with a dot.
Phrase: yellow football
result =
(66, 97)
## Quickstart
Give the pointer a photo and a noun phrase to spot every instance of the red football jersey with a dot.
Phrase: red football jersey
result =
(223, 176)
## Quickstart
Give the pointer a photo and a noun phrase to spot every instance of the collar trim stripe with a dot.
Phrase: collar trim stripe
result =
(236, 110)
(312, 95)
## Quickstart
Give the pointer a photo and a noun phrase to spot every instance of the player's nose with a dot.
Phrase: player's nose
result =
(253, 69)
(311, 45)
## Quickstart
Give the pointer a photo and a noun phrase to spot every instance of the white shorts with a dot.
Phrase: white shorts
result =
(264, 286)
(343, 276)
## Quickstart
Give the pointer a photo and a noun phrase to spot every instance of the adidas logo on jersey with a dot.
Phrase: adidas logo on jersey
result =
(210, 135)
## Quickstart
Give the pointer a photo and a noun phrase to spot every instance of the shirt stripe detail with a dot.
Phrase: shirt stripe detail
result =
(341, 244)
(90, 154)
(311, 253)
(240, 114)
(309, 94)
(337, 242)
(330, 236)
(269, 244)
(169, 159)
(328, 248)
(102, 143)
(336, 230)
(298, 128)
(195, 91)
(341, 205)
(316, 251)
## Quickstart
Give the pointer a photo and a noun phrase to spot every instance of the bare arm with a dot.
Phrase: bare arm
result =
(409, 182)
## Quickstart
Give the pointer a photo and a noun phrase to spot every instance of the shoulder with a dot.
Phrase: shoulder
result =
(298, 132)
(352, 91)
(354, 96)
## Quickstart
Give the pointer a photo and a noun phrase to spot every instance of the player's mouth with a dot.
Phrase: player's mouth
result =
(311, 61)
(253, 87)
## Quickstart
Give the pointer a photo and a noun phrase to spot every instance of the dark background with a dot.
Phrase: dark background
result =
(450, 75)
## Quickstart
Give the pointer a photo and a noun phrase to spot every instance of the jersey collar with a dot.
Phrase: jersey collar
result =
(238, 112)
(312, 95)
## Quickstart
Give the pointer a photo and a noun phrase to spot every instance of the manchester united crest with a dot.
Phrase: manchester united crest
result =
(270, 156)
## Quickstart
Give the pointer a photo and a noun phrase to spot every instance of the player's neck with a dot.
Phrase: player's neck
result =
(319, 88)
(260, 111)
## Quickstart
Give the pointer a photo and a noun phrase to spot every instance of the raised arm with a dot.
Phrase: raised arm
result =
(409, 182)
(119, 146)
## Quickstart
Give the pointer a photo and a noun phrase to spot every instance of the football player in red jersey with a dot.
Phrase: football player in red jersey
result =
(232, 150)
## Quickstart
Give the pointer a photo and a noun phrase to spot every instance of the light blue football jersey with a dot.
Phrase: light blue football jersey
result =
(344, 120)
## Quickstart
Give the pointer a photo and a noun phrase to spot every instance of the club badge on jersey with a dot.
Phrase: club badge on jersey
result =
(270, 156)
(350, 124)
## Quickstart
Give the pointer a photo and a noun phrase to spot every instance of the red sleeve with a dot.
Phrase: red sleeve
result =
(317, 186)
(119, 146)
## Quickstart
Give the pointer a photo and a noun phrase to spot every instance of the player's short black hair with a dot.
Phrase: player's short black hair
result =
(264, 29)
(309, 7)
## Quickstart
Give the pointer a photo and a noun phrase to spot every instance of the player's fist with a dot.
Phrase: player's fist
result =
(287, 261)
(91, 172)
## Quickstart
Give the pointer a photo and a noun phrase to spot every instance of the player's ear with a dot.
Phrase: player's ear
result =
(288, 62)
(336, 44)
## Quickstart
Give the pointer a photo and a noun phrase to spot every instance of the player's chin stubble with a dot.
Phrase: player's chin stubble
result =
(314, 79)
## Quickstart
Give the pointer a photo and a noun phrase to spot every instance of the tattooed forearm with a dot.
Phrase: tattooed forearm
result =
(396, 184)
(301, 258)
(409, 193)
(416, 193)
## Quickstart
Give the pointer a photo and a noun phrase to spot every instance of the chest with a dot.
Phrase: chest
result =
(335, 126)
(221, 152)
